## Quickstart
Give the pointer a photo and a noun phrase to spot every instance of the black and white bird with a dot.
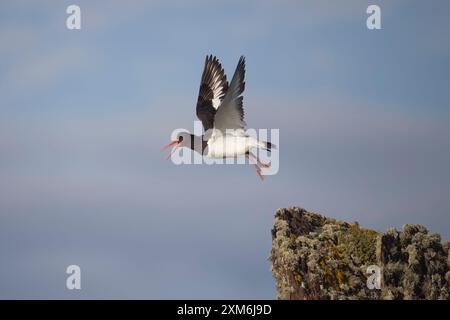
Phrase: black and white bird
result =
(220, 109)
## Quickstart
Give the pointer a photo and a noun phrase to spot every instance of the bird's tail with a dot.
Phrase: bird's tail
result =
(268, 146)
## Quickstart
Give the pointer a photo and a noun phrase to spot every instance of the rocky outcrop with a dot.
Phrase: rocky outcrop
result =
(315, 257)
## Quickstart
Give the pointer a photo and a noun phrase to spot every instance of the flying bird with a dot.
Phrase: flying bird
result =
(221, 111)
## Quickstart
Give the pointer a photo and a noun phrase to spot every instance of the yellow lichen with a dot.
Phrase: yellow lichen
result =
(332, 278)
(339, 277)
(297, 276)
(359, 242)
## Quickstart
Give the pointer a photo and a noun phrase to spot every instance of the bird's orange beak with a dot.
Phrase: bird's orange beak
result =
(171, 143)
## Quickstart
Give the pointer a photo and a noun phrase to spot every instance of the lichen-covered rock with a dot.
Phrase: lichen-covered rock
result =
(314, 257)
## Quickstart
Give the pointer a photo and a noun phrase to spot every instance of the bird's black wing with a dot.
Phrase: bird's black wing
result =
(213, 87)
(230, 114)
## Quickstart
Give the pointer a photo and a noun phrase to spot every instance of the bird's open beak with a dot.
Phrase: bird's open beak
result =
(171, 143)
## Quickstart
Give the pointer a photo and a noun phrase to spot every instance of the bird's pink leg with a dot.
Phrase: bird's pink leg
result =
(262, 163)
(258, 169)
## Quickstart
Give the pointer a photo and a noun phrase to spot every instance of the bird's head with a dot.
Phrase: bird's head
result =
(183, 139)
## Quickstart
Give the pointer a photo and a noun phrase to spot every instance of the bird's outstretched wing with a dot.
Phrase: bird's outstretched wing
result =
(230, 114)
(213, 87)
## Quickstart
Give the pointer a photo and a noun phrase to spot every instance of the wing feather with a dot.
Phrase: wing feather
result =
(230, 114)
(213, 87)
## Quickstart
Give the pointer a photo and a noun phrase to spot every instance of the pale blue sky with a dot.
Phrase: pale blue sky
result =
(364, 136)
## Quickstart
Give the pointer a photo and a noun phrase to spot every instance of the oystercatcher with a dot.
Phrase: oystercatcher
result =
(220, 109)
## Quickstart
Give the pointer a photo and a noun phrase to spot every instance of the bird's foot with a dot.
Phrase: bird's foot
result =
(251, 156)
(258, 171)
(262, 163)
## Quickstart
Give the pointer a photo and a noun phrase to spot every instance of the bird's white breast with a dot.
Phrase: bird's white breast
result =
(229, 146)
